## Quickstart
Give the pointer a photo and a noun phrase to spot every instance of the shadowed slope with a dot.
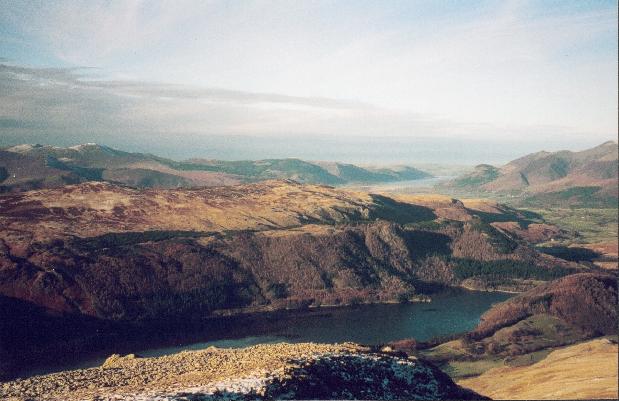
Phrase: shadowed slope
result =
(586, 300)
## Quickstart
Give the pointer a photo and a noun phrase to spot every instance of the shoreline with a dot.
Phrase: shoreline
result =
(492, 290)
(421, 298)
(267, 309)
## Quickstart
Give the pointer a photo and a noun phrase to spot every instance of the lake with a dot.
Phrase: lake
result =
(422, 185)
(452, 311)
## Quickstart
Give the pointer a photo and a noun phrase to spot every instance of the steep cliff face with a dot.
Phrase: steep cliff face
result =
(153, 274)
(184, 275)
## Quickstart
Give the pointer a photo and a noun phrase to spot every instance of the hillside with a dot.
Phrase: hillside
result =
(565, 178)
(584, 371)
(305, 239)
(587, 301)
(33, 172)
(25, 167)
(98, 252)
(513, 351)
(350, 173)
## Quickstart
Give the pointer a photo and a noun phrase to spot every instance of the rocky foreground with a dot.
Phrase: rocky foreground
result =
(278, 371)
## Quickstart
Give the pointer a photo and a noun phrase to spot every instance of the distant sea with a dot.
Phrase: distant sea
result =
(380, 150)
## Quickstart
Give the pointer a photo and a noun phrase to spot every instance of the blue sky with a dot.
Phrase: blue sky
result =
(532, 71)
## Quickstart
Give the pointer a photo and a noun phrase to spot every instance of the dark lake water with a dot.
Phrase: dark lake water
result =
(450, 312)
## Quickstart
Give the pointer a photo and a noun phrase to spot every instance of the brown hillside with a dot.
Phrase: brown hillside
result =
(585, 371)
(586, 300)
(105, 251)
(533, 173)
(514, 336)
(587, 178)
(92, 162)
(94, 209)
(20, 172)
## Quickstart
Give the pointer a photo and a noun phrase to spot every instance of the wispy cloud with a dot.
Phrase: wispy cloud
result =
(83, 79)
(72, 100)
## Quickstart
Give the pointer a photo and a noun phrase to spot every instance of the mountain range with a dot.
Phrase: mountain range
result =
(25, 167)
(564, 178)
(99, 244)
(587, 178)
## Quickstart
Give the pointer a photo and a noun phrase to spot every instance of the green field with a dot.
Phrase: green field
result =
(589, 226)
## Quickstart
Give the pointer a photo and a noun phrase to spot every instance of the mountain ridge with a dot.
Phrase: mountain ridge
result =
(564, 178)
(24, 167)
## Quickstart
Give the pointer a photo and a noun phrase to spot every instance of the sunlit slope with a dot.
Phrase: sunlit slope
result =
(582, 371)
(96, 208)
(525, 329)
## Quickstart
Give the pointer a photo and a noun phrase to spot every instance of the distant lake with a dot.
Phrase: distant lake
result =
(420, 185)
(452, 311)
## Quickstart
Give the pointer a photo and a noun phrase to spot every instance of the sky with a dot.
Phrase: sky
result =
(220, 78)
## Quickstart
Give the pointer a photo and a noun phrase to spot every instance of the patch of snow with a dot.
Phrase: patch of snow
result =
(25, 148)
(83, 146)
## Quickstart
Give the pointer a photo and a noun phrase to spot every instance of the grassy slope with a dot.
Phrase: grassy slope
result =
(592, 225)
(582, 371)
(524, 343)
(593, 235)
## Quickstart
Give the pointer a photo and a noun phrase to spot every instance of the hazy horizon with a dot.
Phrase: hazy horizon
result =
(362, 151)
